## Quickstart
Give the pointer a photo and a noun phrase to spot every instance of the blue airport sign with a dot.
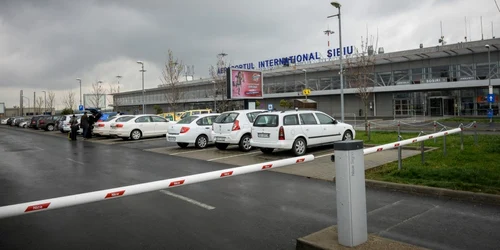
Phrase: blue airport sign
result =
(491, 98)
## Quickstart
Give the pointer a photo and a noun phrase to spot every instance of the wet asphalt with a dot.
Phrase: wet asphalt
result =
(265, 210)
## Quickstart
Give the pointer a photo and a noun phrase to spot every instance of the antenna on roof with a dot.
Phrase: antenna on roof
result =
(482, 36)
(441, 40)
(492, 35)
(465, 29)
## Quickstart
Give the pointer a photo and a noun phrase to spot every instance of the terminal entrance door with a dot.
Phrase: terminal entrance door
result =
(441, 106)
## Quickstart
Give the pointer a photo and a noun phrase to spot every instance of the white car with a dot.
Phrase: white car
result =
(24, 124)
(195, 129)
(103, 128)
(234, 127)
(139, 126)
(297, 131)
(64, 125)
(4, 121)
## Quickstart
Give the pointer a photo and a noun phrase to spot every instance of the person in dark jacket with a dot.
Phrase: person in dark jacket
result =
(91, 121)
(84, 122)
(74, 127)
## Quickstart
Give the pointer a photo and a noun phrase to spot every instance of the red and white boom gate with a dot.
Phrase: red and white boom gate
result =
(113, 193)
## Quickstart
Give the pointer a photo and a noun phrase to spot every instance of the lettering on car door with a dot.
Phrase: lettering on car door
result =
(311, 128)
(331, 132)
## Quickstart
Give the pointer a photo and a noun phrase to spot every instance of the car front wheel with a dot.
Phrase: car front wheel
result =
(50, 127)
(347, 136)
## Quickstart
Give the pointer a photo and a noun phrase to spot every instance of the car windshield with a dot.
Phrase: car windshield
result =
(266, 121)
(188, 119)
(226, 118)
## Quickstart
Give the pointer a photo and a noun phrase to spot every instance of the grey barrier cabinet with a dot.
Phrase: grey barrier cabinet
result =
(351, 194)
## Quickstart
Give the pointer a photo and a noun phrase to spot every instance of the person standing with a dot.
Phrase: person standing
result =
(74, 127)
(91, 121)
(85, 124)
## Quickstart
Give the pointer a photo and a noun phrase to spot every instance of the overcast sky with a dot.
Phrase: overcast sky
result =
(46, 44)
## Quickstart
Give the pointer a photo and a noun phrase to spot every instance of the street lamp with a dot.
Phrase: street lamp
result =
(44, 102)
(143, 101)
(28, 103)
(80, 80)
(337, 5)
(490, 89)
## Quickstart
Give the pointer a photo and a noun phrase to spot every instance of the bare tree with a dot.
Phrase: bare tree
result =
(116, 102)
(69, 100)
(39, 104)
(173, 90)
(98, 95)
(51, 101)
(218, 74)
(359, 72)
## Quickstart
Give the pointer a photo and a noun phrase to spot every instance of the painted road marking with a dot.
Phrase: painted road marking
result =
(184, 198)
(231, 156)
(321, 156)
(77, 162)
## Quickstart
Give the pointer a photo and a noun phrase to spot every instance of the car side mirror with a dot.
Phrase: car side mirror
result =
(335, 122)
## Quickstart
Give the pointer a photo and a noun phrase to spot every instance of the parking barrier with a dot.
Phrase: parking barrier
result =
(119, 192)
(393, 145)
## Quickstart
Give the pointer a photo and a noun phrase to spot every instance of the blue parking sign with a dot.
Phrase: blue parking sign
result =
(491, 98)
(490, 113)
(270, 107)
(80, 107)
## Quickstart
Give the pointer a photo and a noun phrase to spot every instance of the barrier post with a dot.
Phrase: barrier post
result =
(422, 151)
(369, 132)
(475, 133)
(351, 194)
(399, 148)
(434, 131)
(461, 138)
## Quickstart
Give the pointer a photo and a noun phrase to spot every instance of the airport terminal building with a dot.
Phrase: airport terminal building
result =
(447, 80)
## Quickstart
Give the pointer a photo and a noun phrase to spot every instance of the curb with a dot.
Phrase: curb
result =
(436, 192)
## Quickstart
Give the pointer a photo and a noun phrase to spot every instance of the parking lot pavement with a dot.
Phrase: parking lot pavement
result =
(321, 168)
(265, 210)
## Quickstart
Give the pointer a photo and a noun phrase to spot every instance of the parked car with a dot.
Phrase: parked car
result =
(195, 129)
(12, 121)
(64, 125)
(297, 131)
(195, 112)
(102, 128)
(34, 121)
(234, 127)
(24, 124)
(4, 121)
(140, 126)
(47, 123)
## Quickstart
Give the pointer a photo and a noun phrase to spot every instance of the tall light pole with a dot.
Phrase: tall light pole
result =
(337, 5)
(490, 89)
(28, 104)
(44, 102)
(80, 80)
(143, 101)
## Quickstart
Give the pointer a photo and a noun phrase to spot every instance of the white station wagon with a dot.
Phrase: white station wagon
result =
(297, 131)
